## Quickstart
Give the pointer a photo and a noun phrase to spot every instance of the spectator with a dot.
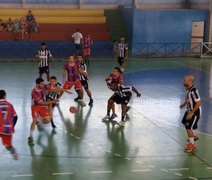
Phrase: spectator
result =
(32, 25)
(23, 28)
(87, 43)
(17, 28)
(10, 25)
(77, 36)
(3, 25)
(30, 17)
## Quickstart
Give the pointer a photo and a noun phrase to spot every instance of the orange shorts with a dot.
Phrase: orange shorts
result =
(87, 52)
(6, 139)
(68, 85)
(41, 111)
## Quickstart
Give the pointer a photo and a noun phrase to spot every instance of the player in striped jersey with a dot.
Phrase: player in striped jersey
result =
(122, 96)
(122, 53)
(44, 55)
(8, 119)
(54, 89)
(118, 79)
(73, 70)
(87, 43)
(84, 80)
(193, 111)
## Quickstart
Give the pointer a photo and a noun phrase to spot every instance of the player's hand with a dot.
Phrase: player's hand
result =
(138, 95)
(189, 116)
(69, 92)
(181, 106)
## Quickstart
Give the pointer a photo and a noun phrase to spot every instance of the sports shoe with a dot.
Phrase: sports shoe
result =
(121, 123)
(53, 125)
(195, 138)
(14, 153)
(76, 99)
(190, 148)
(30, 141)
(82, 103)
(106, 118)
(91, 102)
(113, 117)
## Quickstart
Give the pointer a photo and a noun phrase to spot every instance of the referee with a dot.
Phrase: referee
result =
(193, 111)
(44, 55)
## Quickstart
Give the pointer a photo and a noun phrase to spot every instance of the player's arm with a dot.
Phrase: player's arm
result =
(184, 104)
(36, 58)
(136, 91)
(59, 89)
(15, 118)
(47, 102)
(53, 61)
(82, 72)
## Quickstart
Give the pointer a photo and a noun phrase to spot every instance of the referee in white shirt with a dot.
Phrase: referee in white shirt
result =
(77, 36)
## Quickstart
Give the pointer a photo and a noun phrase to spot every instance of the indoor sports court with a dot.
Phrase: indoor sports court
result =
(167, 40)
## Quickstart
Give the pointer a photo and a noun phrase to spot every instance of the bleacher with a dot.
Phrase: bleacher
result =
(59, 24)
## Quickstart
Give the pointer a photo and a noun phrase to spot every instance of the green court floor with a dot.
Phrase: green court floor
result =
(82, 147)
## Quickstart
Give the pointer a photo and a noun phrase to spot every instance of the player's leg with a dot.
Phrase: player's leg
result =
(86, 87)
(123, 114)
(109, 106)
(78, 86)
(68, 86)
(50, 108)
(47, 73)
(7, 142)
(32, 129)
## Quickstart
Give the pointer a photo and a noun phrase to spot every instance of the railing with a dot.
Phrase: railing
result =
(166, 50)
(27, 50)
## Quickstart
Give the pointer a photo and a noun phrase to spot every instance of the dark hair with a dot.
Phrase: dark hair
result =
(78, 29)
(42, 43)
(118, 69)
(53, 77)
(2, 94)
(39, 80)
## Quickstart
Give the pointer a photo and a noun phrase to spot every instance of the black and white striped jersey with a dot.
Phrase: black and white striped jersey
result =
(51, 95)
(44, 56)
(84, 69)
(192, 96)
(121, 49)
(124, 91)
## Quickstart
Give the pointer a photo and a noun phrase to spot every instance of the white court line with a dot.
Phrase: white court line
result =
(164, 170)
(118, 155)
(192, 178)
(101, 172)
(151, 166)
(139, 162)
(178, 174)
(179, 169)
(209, 168)
(91, 144)
(128, 158)
(65, 173)
(77, 137)
(108, 151)
(99, 147)
(22, 175)
(141, 170)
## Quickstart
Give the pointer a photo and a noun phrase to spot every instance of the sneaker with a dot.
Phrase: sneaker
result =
(190, 148)
(14, 153)
(53, 125)
(76, 99)
(121, 123)
(106, 118)
(30, 141)
(195, 138)
(91, 102)
(113, 117)
(82, 103)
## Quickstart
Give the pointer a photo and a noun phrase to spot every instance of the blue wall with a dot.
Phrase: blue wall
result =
(166, 26)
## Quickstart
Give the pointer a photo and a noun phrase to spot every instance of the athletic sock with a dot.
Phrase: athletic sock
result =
(122, 118)
(31, 133)
(191, 140)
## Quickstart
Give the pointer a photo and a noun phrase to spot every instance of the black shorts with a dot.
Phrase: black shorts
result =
(192, 123)
(85, 84)
(78, 46)
(120, 60)
(121, 100)
(43, 69)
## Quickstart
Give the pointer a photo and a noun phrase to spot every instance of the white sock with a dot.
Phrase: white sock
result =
(31, 133)
(191, 140)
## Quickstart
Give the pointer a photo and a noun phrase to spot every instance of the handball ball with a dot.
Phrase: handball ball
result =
(73, 109)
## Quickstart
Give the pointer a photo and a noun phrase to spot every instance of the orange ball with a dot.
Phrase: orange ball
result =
(73, 109)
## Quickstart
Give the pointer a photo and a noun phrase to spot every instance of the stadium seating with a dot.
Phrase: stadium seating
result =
(59, 24)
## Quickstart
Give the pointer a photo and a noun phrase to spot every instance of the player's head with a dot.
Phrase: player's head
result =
(122, 39)
(53, 80)
(79, 58)
(39, 83)
(43, 45)
(29, 12)
(116, 71)
(2, 94)
(113, 86)
(78, 30)
(71, 59)
(188, 81)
